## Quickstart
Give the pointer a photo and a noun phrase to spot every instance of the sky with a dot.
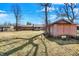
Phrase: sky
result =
(30, 12)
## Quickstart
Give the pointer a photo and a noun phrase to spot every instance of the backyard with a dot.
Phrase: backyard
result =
(34, 43)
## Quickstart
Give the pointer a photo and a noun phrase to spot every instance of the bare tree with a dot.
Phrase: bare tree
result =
(17, 13)
(46, 5)
(68, 11)
(70, 6)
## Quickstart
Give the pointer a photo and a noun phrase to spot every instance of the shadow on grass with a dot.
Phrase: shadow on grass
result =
(14, 50)
(34, 45)
(36, 49)
(10, 39)
(6, 40)
(9, 43)
(65, 41)
(42, 40)
(30, 41)
(29, 51)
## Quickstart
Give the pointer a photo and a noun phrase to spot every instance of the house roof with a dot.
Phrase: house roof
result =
(38, 25)
(29, 26)
(33, 25)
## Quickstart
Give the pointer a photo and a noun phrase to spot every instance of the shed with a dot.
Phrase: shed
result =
(62, 27)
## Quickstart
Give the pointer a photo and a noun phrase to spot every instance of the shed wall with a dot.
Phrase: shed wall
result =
(63, 29)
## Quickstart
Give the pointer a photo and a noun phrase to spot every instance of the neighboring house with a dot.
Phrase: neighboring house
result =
(6, 28)
(21, 27)
(25, 27)
(38, 27)
(31, 27)
(62, 27)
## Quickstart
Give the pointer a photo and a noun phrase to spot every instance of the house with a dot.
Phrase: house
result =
(6, 28)
(31, 27)
(38, 27)
(24, 27)
(62, 27)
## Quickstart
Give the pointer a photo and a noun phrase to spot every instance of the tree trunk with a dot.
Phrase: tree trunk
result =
(73, 17)
(46, 18)
(16, 23)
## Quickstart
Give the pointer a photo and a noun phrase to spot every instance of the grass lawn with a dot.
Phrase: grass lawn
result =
(21, 44)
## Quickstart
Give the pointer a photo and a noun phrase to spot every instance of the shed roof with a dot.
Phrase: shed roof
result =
(65, 20)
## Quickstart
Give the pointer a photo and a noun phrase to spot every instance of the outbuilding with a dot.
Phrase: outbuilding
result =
(62, 27)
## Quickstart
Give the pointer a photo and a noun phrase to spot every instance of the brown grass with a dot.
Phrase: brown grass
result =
(19, 44)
